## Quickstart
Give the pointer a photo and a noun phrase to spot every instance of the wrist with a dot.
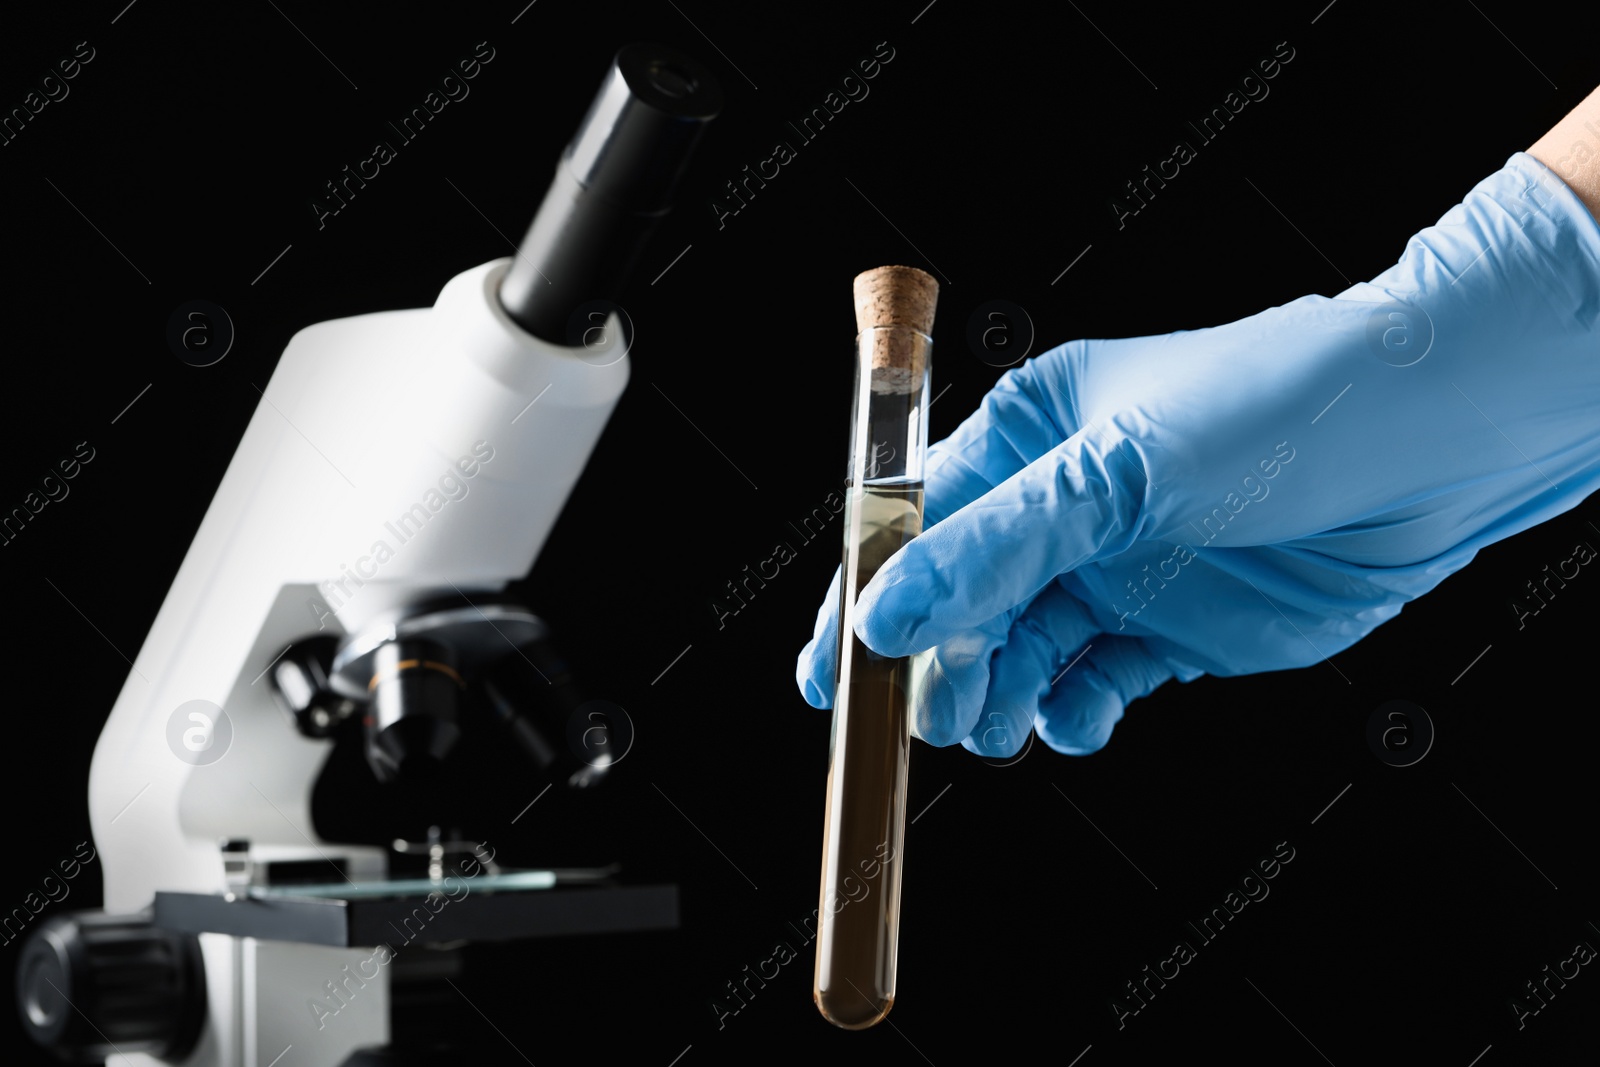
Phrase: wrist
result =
(1571, 148)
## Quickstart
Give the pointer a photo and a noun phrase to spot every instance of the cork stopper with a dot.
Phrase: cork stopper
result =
(895, 296)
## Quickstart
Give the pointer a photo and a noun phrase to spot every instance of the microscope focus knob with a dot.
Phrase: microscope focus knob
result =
(91, 985)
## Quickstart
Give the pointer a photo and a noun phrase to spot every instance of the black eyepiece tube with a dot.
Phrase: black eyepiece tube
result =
(614, 183)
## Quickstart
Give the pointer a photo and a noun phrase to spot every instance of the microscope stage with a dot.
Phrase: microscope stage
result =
(508, 906)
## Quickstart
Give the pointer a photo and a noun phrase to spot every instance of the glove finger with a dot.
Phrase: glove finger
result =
(1020, 419)
(1080, 502)
(818, 664)
(950, 681)
(1046, 637)
(1077, 715)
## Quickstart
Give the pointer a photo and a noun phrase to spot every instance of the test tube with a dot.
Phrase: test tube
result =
(863, 837)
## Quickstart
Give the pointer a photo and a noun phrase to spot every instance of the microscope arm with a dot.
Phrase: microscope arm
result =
(350, 495)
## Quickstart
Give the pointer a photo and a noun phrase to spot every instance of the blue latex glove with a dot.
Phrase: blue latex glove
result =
(1161, 507)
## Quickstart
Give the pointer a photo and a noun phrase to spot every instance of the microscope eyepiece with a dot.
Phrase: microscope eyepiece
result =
(633, 146)
(613, 184)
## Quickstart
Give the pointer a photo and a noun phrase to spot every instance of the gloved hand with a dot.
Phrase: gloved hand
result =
(1251, 497)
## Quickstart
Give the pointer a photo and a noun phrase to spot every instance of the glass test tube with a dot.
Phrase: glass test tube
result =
(858, 917)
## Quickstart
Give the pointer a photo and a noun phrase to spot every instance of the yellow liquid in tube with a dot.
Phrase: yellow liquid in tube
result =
(858, 918)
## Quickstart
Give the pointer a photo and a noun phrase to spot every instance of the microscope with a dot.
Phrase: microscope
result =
(349, 585)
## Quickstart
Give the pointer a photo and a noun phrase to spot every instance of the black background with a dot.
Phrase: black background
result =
(197, 137)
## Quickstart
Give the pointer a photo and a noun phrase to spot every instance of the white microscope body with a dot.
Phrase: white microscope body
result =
(361, 423)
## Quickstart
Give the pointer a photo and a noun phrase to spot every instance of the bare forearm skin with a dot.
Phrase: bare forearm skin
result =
(1571, 148)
